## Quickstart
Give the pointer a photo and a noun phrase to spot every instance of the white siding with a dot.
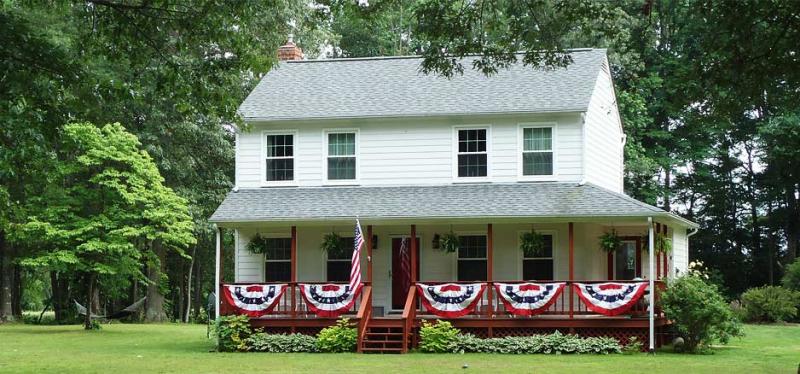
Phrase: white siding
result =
(410, 151)
(604, 147)
(679, 262)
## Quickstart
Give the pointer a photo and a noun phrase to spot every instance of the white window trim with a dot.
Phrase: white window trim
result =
(454, 164)
(521, 256)
(264, 181)
(456, 257)
(520, 149)
(340, 182)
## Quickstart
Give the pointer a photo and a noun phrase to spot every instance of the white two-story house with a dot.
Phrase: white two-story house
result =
(417, 157)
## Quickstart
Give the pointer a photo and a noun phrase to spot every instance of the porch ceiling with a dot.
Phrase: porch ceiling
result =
(550, 201)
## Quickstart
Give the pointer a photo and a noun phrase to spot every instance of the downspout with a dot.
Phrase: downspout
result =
(651, 286)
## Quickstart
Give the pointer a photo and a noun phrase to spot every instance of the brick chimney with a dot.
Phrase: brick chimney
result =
(290, 51)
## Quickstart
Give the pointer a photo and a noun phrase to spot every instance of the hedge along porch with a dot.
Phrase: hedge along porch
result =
(491, 253)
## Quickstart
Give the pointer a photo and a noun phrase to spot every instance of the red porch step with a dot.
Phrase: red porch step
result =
(383, 339)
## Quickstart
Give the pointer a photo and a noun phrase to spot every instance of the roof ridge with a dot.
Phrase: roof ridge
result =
(411, 57)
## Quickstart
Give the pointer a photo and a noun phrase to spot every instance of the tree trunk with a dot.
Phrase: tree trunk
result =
(792, 229)
(189, 287)
(16, 292)
(6, 281)
(57, 297)
(155, 300)
(87, 319)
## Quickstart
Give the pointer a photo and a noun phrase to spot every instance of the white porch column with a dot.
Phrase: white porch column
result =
(651, 276)
(217, 278)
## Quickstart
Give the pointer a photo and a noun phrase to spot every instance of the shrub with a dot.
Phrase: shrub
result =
(699, 312)
(280, 343)
(437, 337)
(791, 279)
(769, 304)
(552, 343)
(634, 346)
(340, 337)
(232, 333)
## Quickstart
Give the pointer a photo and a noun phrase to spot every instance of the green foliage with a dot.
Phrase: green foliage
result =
(791, 277)
(699, 312)
(662, 243)
(531, 243)
(341, 337)
(633, 346)
(437, 337)
(257, 244)
(555, 343)
(232, 333)
(449, 243)
(770, 304)
(281, 343)
(333, 244)
(610, 241)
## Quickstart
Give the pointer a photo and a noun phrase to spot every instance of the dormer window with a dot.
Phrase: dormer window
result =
(279, 157)
(472, 153)
(537, 151)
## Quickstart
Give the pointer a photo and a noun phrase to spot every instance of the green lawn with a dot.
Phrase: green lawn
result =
(122, 348)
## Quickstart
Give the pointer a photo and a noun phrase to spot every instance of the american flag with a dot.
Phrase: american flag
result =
(355, 263)
(405, 265)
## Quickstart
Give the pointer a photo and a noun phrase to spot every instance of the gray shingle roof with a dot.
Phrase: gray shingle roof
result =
(394, 87)
(556, 200)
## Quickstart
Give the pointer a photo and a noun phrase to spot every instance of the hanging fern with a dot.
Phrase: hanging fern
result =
(610, 241)
(332, 244)
(531, 244)
(257, 245)
(449, 243)
(663, 243)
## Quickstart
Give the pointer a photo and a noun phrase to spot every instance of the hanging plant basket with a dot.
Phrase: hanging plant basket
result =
(531, 244)
(332, 244)
(610, 241)
(257, 245)
(449, 242)
(663, 244)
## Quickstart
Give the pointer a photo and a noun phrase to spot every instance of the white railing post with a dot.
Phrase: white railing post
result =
(217, 274)
(650, 263)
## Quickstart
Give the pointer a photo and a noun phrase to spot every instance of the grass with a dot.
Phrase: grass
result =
(121, 348)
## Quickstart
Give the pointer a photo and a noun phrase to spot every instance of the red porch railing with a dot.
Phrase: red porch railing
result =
(562, 307)
(292, 304)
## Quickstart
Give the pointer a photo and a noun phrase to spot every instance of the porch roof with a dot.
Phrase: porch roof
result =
(457, 201)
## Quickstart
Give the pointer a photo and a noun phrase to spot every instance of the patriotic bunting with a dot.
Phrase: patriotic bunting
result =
(610, 298)
(450, 300)
(329, 300)
(254, 300)
(528, 299)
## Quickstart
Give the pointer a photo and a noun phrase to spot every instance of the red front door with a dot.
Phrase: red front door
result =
(399, 292)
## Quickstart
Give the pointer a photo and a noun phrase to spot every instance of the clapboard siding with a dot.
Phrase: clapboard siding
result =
(410, 151)
(604, 145)
(680, 251)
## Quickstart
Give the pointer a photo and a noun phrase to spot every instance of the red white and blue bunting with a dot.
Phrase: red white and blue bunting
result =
(610, 298)
(329, 300)
(528, 299)
(254, 300)
(450, 300)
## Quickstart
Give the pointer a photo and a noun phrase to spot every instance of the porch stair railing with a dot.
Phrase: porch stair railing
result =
(363, 316)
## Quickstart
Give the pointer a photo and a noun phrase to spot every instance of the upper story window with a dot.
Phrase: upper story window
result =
(341, 156)
(539, 267)
(537, 151)
(472, 153)
(279, 157)
(278, 260)
(472, 258)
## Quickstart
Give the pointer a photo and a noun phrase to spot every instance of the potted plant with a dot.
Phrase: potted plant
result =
(257, 245)
(662, 243)
(332, 244)
(610, 241)
(531, 243)
(449, 242)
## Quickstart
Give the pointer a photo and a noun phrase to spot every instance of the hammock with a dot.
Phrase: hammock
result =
(130, 309)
